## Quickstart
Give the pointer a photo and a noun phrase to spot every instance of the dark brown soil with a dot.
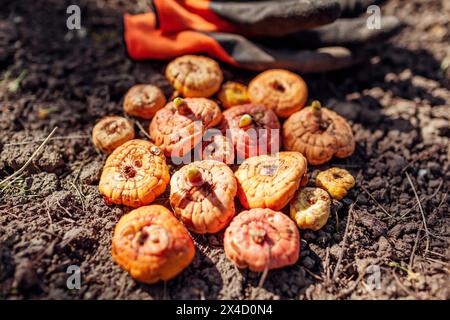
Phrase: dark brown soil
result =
(53, 216)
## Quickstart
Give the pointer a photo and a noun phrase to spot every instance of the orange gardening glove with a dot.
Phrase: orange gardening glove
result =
(294, 34)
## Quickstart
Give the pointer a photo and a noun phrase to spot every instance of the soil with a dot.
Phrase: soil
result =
(53, 216)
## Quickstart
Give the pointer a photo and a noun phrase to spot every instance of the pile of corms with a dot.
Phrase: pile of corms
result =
(153, 243)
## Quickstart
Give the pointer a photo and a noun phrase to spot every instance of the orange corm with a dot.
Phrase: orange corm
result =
(262, 239)
(270, 181)
(233, 94)
(319, 134)
(202, 195)
(310, 208)
(151, 244)
(181, 124)
(143, 100)
(253, 129)
(194, 76)
(336, 181)
(280, 90)
(111, 132)
(134, 174)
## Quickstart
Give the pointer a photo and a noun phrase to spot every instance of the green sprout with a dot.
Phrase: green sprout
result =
(14, 85)
(178, 102)
(245, 120)
(45, 112)
(411, 275)
(193, 174)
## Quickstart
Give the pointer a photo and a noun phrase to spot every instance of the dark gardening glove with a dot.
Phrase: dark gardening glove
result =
(301, 35)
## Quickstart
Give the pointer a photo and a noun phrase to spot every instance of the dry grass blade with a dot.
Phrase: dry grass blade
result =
(165, 291)
(445, 264)
(266, 270)
(377, 203)
(349, 291)
(80, 195)
(55, 138)
(403, 287)
(327, 266)
(141, 128)
(312, 274)
(344, 242)
(413, 252)
(63, 209)
(263, 277)
(50, 220)
(24, 167)
(426, 199)
(425, 227)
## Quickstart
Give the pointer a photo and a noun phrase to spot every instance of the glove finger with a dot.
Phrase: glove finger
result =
(274, 18)
(314, 61)
(353, 8)
(343, 32)
(255, 56)
(251, 18)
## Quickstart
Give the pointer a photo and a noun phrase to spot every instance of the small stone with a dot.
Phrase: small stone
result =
(422, 172)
